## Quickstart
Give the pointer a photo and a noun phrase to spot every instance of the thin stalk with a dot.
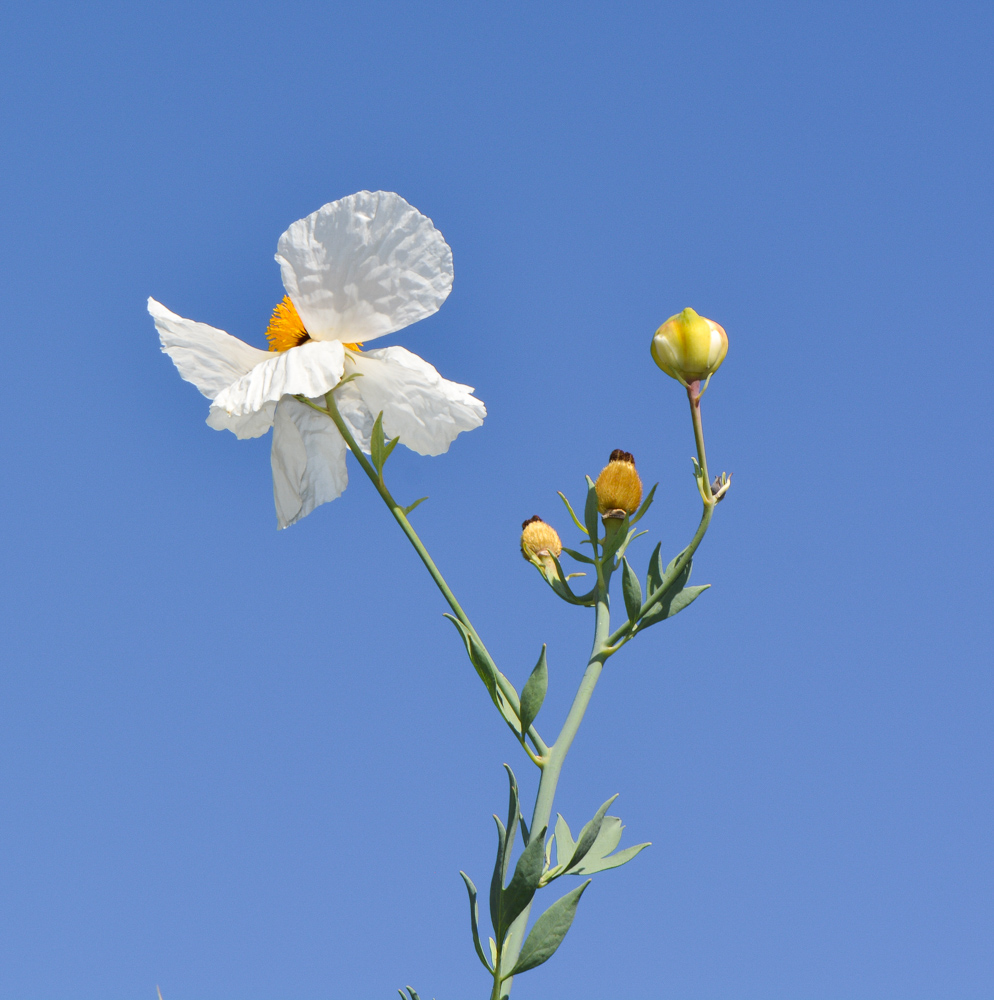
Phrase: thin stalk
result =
(694, 396)
(507, 689)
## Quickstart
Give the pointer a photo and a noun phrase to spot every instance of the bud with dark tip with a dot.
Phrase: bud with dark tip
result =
(619, 489)
(539, 542)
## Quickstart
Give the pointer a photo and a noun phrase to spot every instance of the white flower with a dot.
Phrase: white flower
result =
(354, 270)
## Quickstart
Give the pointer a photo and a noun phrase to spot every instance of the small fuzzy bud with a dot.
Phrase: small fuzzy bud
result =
(689, 347)
(619, 489)
(539, 540)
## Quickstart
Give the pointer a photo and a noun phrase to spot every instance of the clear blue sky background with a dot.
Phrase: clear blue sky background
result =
(248, 764)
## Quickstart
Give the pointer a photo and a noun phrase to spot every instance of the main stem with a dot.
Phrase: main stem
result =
(542, 812)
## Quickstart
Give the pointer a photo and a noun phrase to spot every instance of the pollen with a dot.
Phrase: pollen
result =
(618, 486)
(286, 328)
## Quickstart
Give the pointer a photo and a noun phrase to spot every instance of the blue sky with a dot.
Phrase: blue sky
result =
(246, 764)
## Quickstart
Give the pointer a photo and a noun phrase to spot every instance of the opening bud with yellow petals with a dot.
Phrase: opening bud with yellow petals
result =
(689, 347)
(619, 489)
(539, 542)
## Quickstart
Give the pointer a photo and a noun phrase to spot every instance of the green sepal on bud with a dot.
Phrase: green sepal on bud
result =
(689, 347)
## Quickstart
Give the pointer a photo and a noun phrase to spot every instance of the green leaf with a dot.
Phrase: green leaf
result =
(548, 933)
(578, 556)
(673, 602)
(588, 835)
(565, 845)
(592, 865)
(524, 882)
(474, 918)
(632, 591)
(533, 693)
(654, 576)
(379, 451)
(591, 513)
(599, 857)
(481, 662)
(646, 504)
(572, 514)
(417, 503)
(513, 812)
(497, 879)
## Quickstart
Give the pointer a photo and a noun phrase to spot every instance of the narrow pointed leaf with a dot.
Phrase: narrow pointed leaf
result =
(474, 918)
(565, 845)
(589, 834)
(572, 514)
(646, 504)
(497, 879)
(591, 514)
(513, 812)
(578, 556)
(654, 576)
(376, 443)
(591, 866)
(548, 933)
(671, 604)
(476, 656)
(632, 590)
(417, 503)
(524, 882)
(533, 693)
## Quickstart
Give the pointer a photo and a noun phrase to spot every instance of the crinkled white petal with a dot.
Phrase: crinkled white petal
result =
(308, 461)
(308, 370)
(211, 359)
(245, 425)
(364, 266)
(420, 407)
(355, 412)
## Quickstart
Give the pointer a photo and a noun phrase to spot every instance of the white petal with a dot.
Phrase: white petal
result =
(246, 425)
(355, 413)
(309, 370)
(420, 407)
(308, 461)
(364, 266)
(211, 359)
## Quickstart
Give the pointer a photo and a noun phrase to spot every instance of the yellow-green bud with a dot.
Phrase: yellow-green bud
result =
(540, 540)
(689, 347)
(619, 488)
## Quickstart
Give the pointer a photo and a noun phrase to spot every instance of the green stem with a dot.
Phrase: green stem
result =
(557, 756)
(694, 395)
(624, 632)
(507, 689)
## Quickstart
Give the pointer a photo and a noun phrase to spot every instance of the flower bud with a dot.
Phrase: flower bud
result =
(619, 489)
(538, 541)
(689, 347)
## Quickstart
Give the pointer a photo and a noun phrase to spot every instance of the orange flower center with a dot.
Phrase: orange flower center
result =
(286, 328)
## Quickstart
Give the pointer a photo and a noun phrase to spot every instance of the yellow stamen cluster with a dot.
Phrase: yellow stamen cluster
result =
(286, 328)
(539, 539)
(618, 486)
